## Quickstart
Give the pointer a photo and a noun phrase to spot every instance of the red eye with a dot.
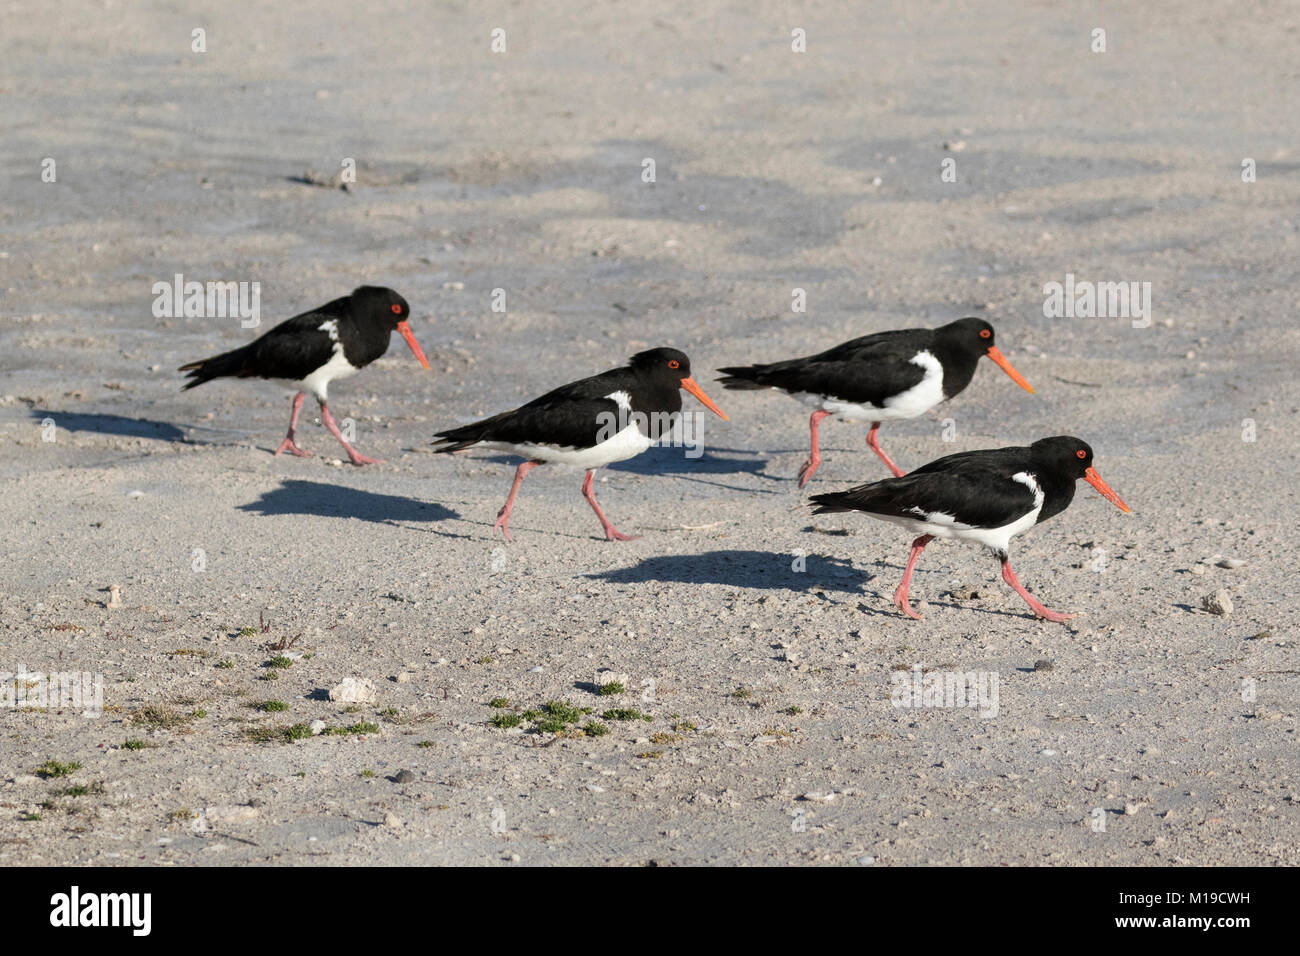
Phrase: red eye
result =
(397, 309)
(1081, 453)
(673, 363)
(985, 333)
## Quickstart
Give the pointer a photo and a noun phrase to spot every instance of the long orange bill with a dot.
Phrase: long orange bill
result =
(1094, 479)
(410, 340)
(690, 386)
(1002, 363)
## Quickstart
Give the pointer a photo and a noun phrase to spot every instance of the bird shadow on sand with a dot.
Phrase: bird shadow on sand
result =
(672, 461)
(323, 500)
(111, 425)
(763, 570)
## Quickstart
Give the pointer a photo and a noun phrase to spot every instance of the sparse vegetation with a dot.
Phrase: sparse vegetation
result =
(162, 718)
(82, 789)
(595, 728)
(625, 713)
(506, 720)
(498, 702)
(137, 744)
(271, 706)
(53, 768)
(279, 662)
(610, 689)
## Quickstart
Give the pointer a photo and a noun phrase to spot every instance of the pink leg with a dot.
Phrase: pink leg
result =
(353, 455)
(287, 444)
(814, 457)
(1039, 611)
(874, 444)
(503, 516)
(611, 533)
(900, 596)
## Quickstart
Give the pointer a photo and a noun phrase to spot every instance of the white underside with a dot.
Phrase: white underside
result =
(627, 443)
(318, 382)
(946, 526)
(913, 403)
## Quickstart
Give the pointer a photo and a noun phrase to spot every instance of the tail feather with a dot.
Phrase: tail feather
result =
(218, 366)
(466, 436)
(742, 377)
(833, 502)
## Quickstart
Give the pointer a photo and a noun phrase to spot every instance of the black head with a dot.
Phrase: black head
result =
(380, 305)
(973, 338)
(969, 335)
(669, 368)
(385, 310)
(665, 365)
(1064, 454)
(1072, 457)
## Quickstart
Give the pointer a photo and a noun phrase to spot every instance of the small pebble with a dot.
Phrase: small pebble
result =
(403, 776)
(1043, 665)
(1231, 563)
(1219, 603)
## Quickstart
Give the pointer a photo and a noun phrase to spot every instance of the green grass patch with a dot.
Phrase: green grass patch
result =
(53, 768)
(625, 713)
(610, 689)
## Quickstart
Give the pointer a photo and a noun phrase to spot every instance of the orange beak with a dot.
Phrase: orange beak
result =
(410, 340)
(1001, 361)
(1094, 479)
(690, 386)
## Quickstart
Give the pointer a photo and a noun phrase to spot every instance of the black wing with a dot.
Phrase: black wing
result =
(292, 350)
(867, 370)
(576, 415)
(976, 488)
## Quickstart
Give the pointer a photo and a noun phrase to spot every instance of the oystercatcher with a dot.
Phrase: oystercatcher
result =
(983, 496)
(882, 377)
(311, 350)
(588, 424)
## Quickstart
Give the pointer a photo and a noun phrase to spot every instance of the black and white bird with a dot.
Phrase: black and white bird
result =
(588, 424)
(987, 497)
(878, 378)
(311, 350)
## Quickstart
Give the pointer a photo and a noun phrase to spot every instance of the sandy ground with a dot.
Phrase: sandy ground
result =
(760, 641)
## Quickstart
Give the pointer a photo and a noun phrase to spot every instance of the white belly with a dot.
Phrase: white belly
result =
(317, 383)
(625, 444)
(995, 539)
(913, 403)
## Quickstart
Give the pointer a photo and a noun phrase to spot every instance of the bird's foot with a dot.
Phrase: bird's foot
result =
(291, 448)
(808, 470)
(503, 522)
(359, 459)
(1044, 614)
(613, 534)
(900, 600)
